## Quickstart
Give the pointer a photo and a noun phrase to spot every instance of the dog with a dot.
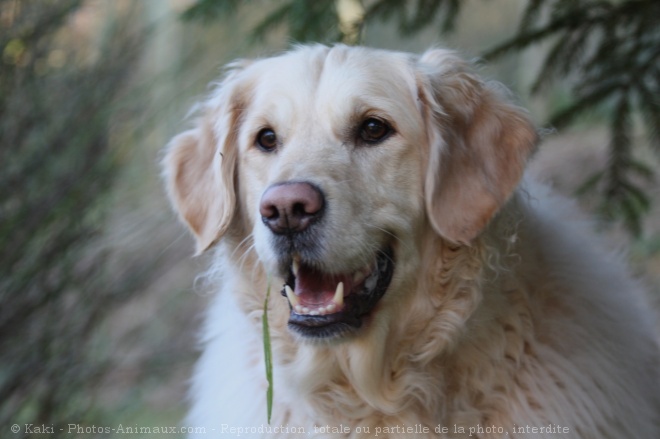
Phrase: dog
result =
(429, 287)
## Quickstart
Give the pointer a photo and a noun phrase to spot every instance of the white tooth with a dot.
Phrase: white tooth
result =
(370, 283)
(293, 300)
(305, 310)
(295, 265)
(314, 313)
(339, 294)
(322, 310)
(362, 274)
(298, 309)
(330, 307)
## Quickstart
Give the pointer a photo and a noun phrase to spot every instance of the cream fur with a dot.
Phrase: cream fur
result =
(503, 311)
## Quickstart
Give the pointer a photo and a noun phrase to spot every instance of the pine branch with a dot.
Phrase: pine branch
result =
(449, 22)
(48, 20)
(642, 170)
(522, 41)
(590, 183)
(306, 21)
(530, 15)
(207, 11)
(425, 12)
(571, 17)
(649, 101)
(314, 21)
(563, 57)
(384, 10)
(621, 127)
(583, 103)
(272, 21)
(624, 200)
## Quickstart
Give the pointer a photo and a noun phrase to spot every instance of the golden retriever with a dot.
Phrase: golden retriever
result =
(425, 290)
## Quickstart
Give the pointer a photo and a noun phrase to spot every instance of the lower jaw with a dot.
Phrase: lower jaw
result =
(336, 331)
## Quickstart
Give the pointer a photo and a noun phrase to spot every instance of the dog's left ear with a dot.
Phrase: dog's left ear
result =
(479, 145)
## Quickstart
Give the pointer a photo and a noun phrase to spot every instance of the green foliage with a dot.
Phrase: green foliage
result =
(268, 356)
(209, 10)
(411, 17)
(608, 50)
(58, 168)
(305, 20)
(318, 20)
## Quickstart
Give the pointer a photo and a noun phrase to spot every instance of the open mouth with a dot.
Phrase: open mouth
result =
(334, 305)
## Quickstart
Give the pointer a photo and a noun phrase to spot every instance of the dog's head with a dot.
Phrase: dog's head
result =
(337, 161)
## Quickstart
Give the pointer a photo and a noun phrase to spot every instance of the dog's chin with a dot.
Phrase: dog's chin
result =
(333, 307)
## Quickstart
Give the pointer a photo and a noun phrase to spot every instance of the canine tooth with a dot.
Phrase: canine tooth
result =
(291, 296)
(339, 294)
(295, 265)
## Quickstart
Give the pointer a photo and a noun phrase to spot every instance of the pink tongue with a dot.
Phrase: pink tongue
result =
(314, 288)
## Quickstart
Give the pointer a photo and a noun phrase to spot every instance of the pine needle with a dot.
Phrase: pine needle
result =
(268, 355)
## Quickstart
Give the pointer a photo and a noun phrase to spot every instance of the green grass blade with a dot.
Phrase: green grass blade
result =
(268, 355)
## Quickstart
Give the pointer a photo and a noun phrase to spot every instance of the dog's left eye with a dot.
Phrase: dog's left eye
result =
(374, 130)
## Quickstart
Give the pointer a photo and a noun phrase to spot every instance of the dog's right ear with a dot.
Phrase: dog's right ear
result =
(200, 168)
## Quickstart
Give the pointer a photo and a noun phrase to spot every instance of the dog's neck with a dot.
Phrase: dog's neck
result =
(405, 357)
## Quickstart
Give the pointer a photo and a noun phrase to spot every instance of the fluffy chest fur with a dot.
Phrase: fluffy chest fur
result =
(496, 335)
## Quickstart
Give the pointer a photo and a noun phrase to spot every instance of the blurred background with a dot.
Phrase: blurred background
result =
(98, 301)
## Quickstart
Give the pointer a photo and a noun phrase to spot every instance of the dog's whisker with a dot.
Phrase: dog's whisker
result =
(387, 232)
(245, 251)
(243, 258)
(240, 244)
(171, 244)
(405, 245)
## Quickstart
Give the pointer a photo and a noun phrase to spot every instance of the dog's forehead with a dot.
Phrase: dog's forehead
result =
(321, 78)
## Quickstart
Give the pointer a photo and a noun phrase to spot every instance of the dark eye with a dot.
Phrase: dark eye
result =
(374, 130)
(267, 140)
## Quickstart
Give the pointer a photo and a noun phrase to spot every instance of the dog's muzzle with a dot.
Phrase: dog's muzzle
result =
(322, 304)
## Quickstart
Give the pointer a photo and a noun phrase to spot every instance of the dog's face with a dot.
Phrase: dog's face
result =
(336, 162)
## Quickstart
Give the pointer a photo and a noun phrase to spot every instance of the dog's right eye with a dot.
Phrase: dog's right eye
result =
(267, 140)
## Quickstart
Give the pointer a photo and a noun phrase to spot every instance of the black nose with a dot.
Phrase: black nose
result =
(291, 207)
